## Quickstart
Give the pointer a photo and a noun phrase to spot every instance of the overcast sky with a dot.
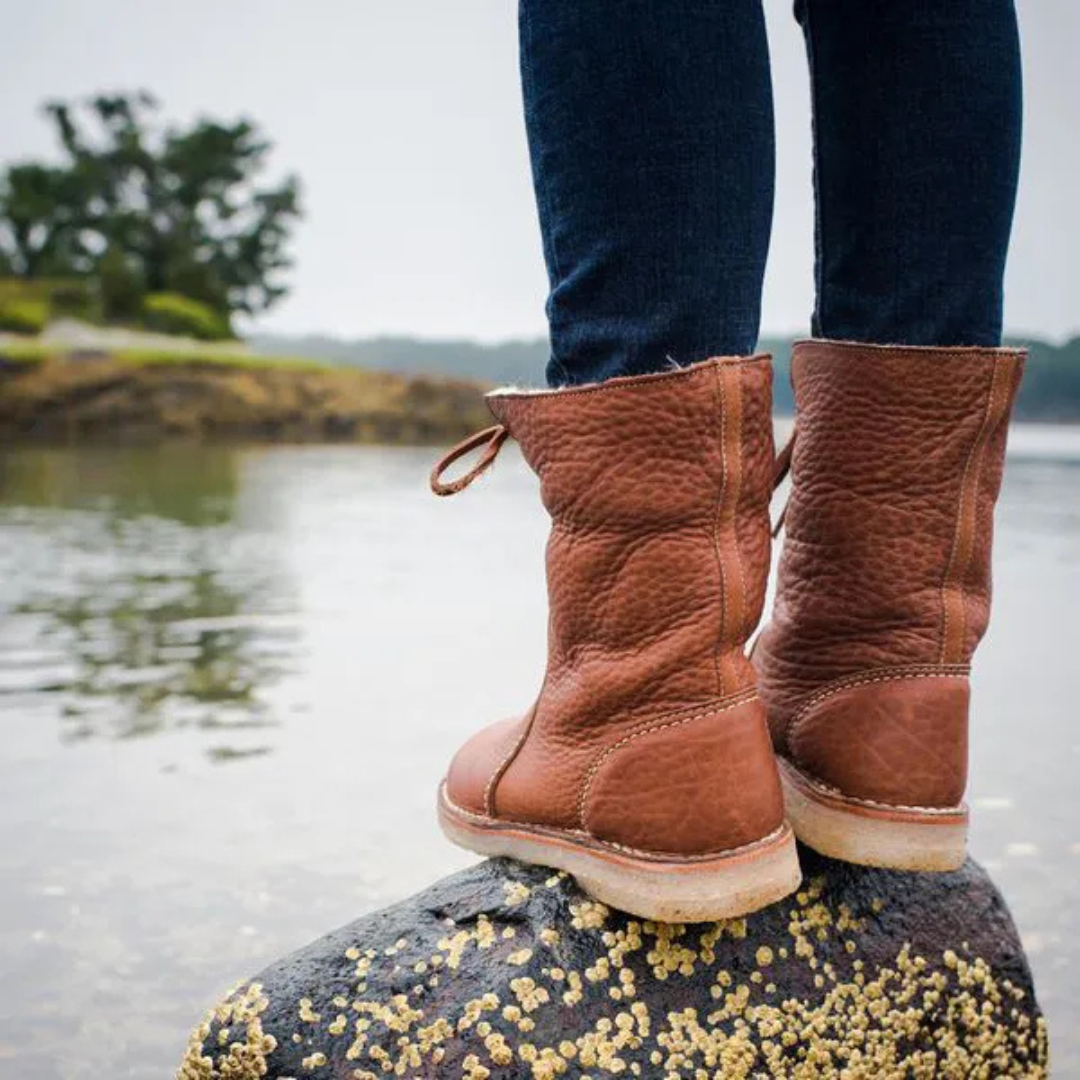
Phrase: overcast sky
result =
(403, 119)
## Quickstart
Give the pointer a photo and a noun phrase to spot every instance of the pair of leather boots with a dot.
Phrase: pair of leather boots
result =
(660, 765)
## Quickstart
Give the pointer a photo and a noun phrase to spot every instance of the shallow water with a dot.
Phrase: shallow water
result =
(230, 681)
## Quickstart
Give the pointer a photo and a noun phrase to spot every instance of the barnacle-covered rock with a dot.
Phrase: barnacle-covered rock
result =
(506, 970)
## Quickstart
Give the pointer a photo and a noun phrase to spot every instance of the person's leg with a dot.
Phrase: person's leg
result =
(917, 113)
(884, 582)
(651, 135)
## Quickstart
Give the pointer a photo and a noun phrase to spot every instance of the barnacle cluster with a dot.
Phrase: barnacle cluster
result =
(230, 1043)
(916, 1016)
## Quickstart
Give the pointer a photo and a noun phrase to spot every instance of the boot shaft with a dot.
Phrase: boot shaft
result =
(884, 583)
(896, 468)
(644, 767)
(658, 490)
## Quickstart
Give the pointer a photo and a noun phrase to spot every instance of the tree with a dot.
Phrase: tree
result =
(177, 209)
(39, 214)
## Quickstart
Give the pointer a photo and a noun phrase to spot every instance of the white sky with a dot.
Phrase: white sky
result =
(403, 119)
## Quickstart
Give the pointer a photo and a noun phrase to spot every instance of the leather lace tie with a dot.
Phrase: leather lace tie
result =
(781, 468)
(491, 439)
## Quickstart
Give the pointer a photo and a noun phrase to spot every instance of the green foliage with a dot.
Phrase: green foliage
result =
(121, 286)
(151, 208)
(13, 288)
(50, 298)
(40, 207)
(23, 316)
(63, 296)
(76, 298)
(33, 353)
(171, 313)
(199, 282)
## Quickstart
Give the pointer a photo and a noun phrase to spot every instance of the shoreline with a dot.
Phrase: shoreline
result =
(63, 396)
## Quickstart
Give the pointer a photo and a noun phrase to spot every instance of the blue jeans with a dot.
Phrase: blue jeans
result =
(651, 136)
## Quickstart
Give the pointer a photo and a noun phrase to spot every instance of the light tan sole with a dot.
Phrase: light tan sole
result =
(871, 834)
(663, 890)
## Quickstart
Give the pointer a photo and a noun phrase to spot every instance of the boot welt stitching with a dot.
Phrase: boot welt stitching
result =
(954, 671)
(718, 393)
(729, 492)
(584, 834)
(740, 630)
(828, 789)
(731, 703)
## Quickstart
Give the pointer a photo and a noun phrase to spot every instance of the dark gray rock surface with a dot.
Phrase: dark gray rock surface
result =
(505, 970)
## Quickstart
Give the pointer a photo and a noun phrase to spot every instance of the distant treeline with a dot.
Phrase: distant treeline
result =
(1050, 392)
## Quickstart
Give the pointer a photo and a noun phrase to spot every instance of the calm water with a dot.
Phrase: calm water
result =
(230, 681)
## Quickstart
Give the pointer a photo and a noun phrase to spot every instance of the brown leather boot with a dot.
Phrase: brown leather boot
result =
(644, 768)
(884, 593)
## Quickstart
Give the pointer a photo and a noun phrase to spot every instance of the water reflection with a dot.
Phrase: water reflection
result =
(133, 598)
(196, 486)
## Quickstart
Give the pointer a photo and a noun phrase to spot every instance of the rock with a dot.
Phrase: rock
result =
(505, 970)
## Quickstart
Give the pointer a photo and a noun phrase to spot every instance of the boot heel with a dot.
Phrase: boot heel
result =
(873, 834)
(662, 889)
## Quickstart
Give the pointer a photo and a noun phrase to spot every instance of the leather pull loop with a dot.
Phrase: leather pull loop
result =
(781, 468)
(779, 522)
(782, 464)
(490, 438)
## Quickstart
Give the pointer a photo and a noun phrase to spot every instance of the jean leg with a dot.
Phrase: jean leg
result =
(917, 118)
(651, 138)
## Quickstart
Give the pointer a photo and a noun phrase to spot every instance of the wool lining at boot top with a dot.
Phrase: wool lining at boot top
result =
(673, 367)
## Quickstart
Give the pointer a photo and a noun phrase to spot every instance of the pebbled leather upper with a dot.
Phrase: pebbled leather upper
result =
(658, 489)
(884, 580)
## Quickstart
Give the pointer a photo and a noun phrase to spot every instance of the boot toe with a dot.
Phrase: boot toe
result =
(477, 762)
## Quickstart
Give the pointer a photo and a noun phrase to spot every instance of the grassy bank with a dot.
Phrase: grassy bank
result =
(146, 395)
